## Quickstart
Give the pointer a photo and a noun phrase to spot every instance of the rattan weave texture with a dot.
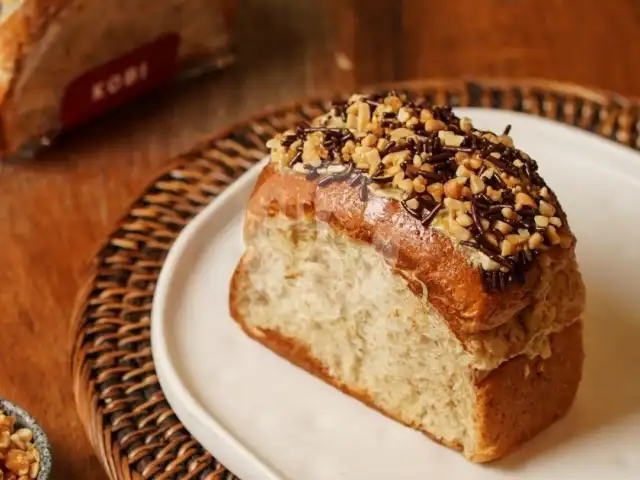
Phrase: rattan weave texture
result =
(135, 433)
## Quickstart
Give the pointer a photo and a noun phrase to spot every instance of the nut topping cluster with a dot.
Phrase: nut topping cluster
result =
(472, 184)
(19, 457)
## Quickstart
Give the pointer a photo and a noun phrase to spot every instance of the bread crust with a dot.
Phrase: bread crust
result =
(423, 256)
(516, 401)
(524, 396)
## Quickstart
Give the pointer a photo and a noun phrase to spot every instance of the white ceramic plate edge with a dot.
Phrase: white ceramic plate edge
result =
(229, 451)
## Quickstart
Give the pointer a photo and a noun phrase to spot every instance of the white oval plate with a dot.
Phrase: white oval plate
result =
(266, 419)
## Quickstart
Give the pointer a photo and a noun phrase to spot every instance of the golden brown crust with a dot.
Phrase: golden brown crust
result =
(455, 286)
(516, 401)
(524, 396)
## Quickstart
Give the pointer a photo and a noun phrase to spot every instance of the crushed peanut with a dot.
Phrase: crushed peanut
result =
(460, 232)
(463, 171)
(369, 141)
(453, 189)
(19, 457)
(475, 163)
(509, 213)
(522, 199)
(516, 239)
(541, 221)
(413, 203)
(432, 125)
(486, 194)
(547, 209)
(419, 184)
(406, 185)
(495, 195)
(555, 221)
(507, 248)
(553, 235)
(491, 238)
(465, 124)
(503, 227)
(436, 190)
(464, 220)
(452, 204)
(535, 241)
(477, 184)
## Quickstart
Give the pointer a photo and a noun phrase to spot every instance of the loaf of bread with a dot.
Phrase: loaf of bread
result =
(419, 265)
(46, 46)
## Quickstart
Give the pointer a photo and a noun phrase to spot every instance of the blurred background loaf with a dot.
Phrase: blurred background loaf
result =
(47, 45)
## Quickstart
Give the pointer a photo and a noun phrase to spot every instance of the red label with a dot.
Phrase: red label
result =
(120, 81)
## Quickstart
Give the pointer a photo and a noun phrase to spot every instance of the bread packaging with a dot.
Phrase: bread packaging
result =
(419, 265)
(63, 62)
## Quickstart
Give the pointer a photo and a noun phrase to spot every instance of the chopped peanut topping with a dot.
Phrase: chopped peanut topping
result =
(436, 165)
(547, 209)
(453, 189)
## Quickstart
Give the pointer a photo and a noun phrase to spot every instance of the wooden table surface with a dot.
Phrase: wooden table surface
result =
(56, 210)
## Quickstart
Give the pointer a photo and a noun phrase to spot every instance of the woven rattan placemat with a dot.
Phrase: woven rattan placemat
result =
(132, 428)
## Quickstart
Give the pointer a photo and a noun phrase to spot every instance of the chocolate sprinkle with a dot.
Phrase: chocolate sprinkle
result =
(528, 211)
(388, 148)
(492, 255)
(501, 278)
(312, 175)
(498, 234)
(410, 211)
(426, 221)
(364, 192)
(337, 177)
(297, 158)
(442, 157)
(476, 217)
(395, 148)
(357, 180)
(382, 179)
(288, 140)
(499, 181)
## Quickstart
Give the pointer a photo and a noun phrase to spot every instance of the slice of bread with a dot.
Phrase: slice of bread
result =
(358, 291)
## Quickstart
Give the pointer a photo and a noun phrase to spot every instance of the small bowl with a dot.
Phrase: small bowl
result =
(40, 440)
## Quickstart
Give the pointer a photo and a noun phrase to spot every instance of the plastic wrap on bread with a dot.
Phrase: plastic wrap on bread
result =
(64, 62)
(420, 265)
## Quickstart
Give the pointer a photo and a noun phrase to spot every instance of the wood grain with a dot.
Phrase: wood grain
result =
(58, 209)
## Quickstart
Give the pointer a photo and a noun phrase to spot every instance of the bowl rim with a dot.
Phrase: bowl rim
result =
(40, 439)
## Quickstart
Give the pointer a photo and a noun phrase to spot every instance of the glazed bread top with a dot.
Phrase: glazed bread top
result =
(460, 213)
